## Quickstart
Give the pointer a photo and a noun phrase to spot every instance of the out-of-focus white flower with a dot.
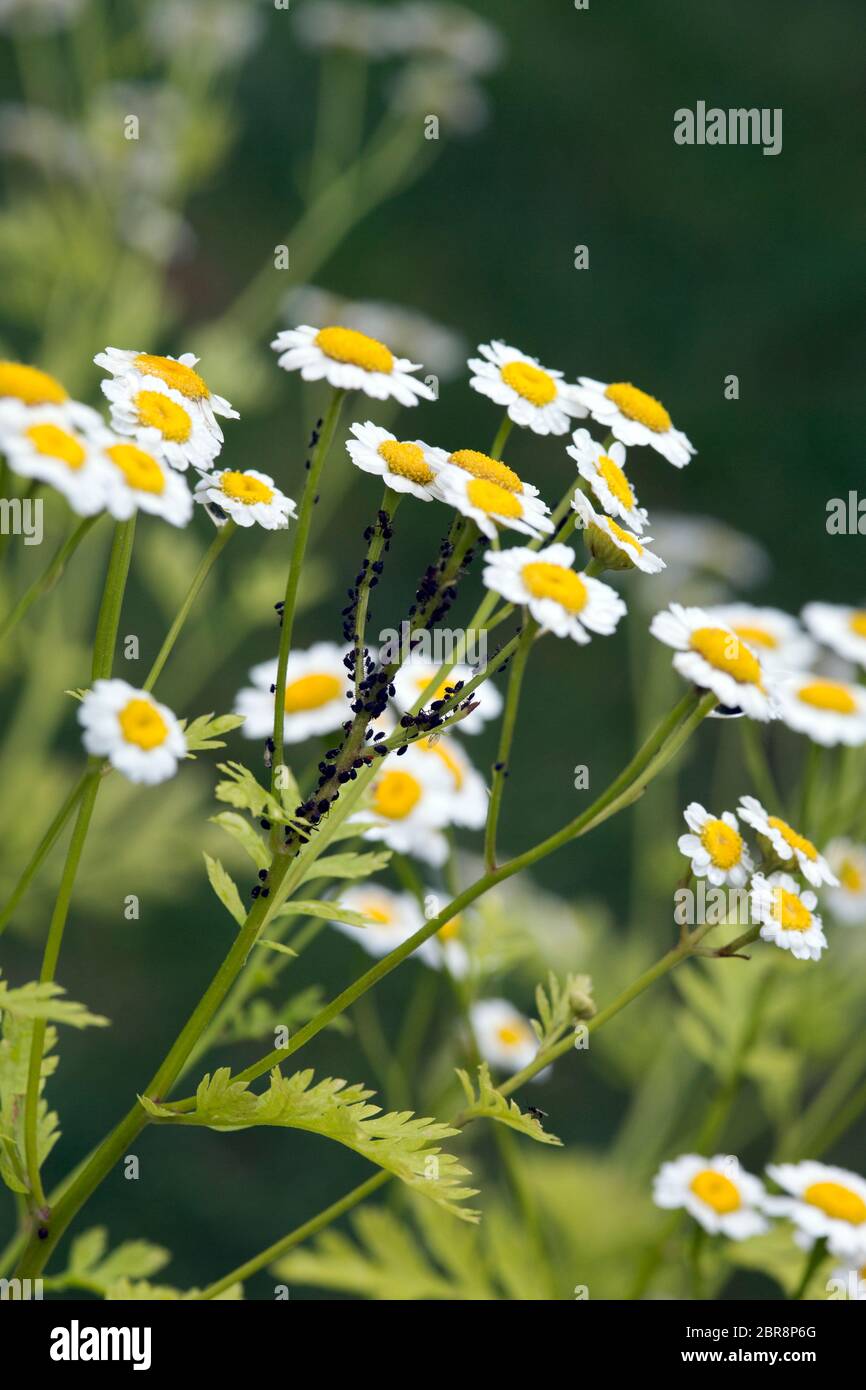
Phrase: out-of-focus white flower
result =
(504, 1035)
(315, 700)
(220, 32)
(778, 639)
(416, 673)
(441, 349)
(357, 27)
(839, 627)
(409, 805)
(848, 861)
(41, 442)
(828, 711)
(441, 89)
(448, 31)
(706, 559)
(717, 1192)
(824, 1203)
(350, 361)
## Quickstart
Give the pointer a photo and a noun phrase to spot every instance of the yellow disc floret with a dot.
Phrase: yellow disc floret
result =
(637, 405)
(142, 724)
(242, 487)
(56, 443)
(616, 481)
(557, 582)
(355, 349)
(724, 651)
(396, 794)
(530, 382)
(483, 466)
(492, 499)
(30, 385)
(757, 637)
(717, 1191)
(160, 412)
(789, 911)
(407, 461)
(837, 1202)
(828, 695)
(857, 622)
(311, 692)
(140, 470)
(175, 374)
(722, 842)
(790, 836)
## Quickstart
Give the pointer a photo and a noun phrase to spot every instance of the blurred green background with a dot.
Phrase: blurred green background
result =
(702, 262)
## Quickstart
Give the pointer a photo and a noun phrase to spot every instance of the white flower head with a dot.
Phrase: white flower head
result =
(715, 846)
(717, 1192)
(409, 803)
(715, 658)
(162, 420)
(140, 738)
(491, 494)
(787, 915)
(391, 917)
(136, 480)
(787, 843)
(41, 442)
(634, 418)
(505, 1036)
(351, 361)
(416, 673)
(23, 387)
(824, 1203)
(536, 397)
(776, 637)
(250, 498)
(617, 547)
(828, 711)
(847, 902)
(446, 950)
(315, 700)
(604, 469)
(177, 373)
(405, 465)
(469, 796)
(563, 601)
(841, 628)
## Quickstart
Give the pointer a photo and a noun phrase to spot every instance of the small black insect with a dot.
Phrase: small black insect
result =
(535, 1114)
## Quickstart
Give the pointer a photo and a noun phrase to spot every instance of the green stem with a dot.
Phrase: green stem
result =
(302, 532)
(49, 577)
(44, 847)
(807, 790)
(214, 550)
(813, 1260)
(758, 766)
(390, 503)
(497, 448)
(112, 598)
(506, 738)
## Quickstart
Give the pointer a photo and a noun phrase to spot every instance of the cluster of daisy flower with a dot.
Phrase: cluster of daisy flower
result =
(823, 1203)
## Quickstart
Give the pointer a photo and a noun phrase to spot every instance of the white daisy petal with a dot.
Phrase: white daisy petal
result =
(535, 397)
(717, 1192)
(315, 702)
(634, 418)
(350, 361)
(250, 498)
(558, 598)
(138, 736)
(715, 658)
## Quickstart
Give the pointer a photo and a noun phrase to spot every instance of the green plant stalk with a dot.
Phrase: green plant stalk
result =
(44, 848)
(813, 1260)
(112, 599)
(208, 560)
(758, 766)
(389, 505)
(299, 548)
(497, 448)
(506, 738)
(47, 580)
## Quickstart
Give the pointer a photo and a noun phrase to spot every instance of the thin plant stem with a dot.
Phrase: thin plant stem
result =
(208, 560)
(506, 738)
(497, 448)
(809, 785)
(758, 765)
(47, 580)
(813, 1261)
(112, 599)
(44, 848)
(390, 503)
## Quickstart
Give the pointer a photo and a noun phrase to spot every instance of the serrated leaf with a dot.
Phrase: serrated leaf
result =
(348, 865)
(43, 1000)
(278, 946)
(243, 791)
(330, 911)
(226, 889)
(489, 1104)
(17, 1033)
(92, 1269)
(560, 1006)
(206, 731)
(246, 836)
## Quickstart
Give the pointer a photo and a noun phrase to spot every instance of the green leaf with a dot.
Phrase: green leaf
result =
(37, 1000)
(206, 731)
(246, 836)
(132, 1291)
(243, 791)
(403, 1144)
(226, 889)
(92, 1269)
(560, 1006)
(348, 865)
(490, 1104)
(330, 911)
(276, 946)
(17, 1033)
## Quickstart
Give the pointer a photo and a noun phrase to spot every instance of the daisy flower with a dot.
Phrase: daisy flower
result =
(560, 600)
(315, 703)
(140, 738)
(853, 1279)
(505, 1036)
(841, 629)
(824, 1203)
(42, 442)
(406, 466)
(23, 386)
(409, 803)
(786, 843)
(714, 658)
(829, 711)
(787, 915)
(715, 846)
(775, 636)
(534, 396)
(392, 917)
(250, 498)
(633, 417)
(492, 496)
(139, 481)
(446, 951)
(415, 675)
(469, 799)
(161, 420)
(603, 470)
(351, 361)
(611, 543)
(720, 1195)
(847, 902)
(177, 373)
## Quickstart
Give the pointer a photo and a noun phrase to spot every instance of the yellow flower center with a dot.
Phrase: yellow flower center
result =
(482, 466)
(407, 461)
(836, 1201)
(530, 382)
(140, 470)
(311, 692)
(396, 794)
(723, 843)
(557, 582)
(244, 488)
(30, 385)
(56, 443)
(511, 1034)
(717, 1191)
(792, 838)
(852, 877)
(355, 349)
(725, 651)
(637, 405)
(379, 912)
(452, 929)
(142, 724)
(492, 499)
(440, 693)
(789, 910)
(616, 481)
(858, 623)
(757, 637)
(625, 536)
(174, 374)
(452, 764)
(831, 695)
(159, 412)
